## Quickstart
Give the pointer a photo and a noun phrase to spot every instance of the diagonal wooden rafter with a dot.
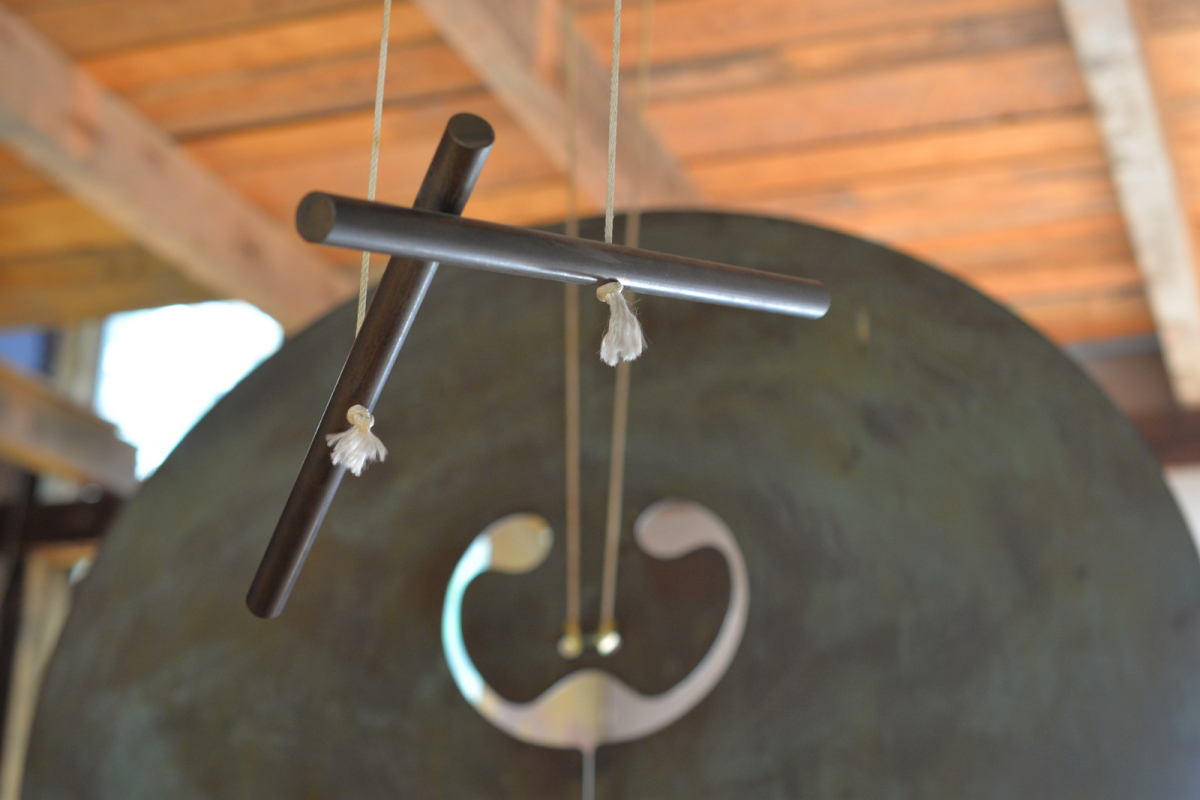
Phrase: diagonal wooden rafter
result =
(100, 149)
(1110, 54)
(484, 32)
(43, 431)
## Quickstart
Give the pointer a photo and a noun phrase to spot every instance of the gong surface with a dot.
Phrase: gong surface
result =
(967, 577)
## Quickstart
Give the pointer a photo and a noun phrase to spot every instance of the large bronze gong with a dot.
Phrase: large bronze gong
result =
(967, 577)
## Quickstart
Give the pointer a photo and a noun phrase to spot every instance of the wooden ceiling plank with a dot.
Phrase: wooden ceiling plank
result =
(1028, 258)
(284, 144)
(979, 89)
(85, 28)
(877, 50)
(962, 35)
(1089, 317)
(534, 203)
(42, 431)
(996, 196)
(301, 89)
(339, 166)
(1173, 55)
(498, 202)
(319, 37)
(18, 181)
(482, 33)
(1050, 280)
(67, 288)
(279, 188)
(332, 153)
(52, 222)
(1110, 56)
(712, 29)
(1169, 14)
(829, 165)
(69, 126)
(1094, 236)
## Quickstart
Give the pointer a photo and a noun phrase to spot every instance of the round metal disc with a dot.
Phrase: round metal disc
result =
(967, 577)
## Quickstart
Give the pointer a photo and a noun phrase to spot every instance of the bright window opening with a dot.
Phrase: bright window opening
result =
(164, 368)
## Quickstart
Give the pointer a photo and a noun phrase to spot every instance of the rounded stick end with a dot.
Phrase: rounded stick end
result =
(315, 217)
(471, 132)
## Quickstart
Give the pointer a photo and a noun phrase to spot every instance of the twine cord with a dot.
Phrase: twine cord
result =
(571, 643)
(364, 273)
(357, 446)
(607, 637)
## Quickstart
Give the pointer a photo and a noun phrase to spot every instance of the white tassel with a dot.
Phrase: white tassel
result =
(623, 341)
(357, 447)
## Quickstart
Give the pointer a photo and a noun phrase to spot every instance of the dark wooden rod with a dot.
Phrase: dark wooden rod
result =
(450, 239)
(448, 183)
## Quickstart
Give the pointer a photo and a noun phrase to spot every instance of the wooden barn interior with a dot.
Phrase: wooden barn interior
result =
(153, 153)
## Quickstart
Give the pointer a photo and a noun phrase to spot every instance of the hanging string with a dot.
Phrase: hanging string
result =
(589, 775)
(614, 84)
(571, 643)
(356, 447)
(623, 341)
(607, 638)
(633, 219)
(364, 274)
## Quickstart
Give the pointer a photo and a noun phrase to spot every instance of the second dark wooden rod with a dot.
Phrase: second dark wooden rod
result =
(448, 183)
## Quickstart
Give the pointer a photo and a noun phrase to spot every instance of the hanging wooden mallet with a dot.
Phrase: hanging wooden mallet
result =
(448, 183)
(428, 237)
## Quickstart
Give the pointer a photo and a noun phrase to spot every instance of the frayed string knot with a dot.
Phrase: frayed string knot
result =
(356, 447)
(623, 341)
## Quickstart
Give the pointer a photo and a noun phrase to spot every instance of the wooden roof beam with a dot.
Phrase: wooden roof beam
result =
(100, 149)
(42, 431)
(500, 40)
(1109, 51)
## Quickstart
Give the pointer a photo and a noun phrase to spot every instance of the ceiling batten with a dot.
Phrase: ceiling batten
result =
(1110, 54)
(62, 121)
(520, 75)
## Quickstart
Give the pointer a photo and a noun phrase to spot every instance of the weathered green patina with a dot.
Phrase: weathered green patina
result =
(968, 579)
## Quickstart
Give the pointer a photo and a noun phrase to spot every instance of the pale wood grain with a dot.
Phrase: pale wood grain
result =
(62, 120)
(41, 431)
